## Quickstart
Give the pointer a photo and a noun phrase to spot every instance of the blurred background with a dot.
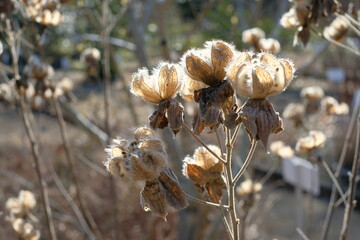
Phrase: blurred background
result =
(96, 41)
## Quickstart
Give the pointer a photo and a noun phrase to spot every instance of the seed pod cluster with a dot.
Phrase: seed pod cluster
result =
(256, 37)
(145, 159)
(19, 211)
(332, 107)
(303, 13)
(44, 12)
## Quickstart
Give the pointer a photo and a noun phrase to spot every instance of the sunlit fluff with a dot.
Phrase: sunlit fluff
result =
(315, 139)
(165, 82)
(259, 76)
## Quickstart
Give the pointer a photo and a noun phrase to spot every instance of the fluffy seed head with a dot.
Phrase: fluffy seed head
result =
(165, 82)
(315, 139)
(259, 76)
(248, 187)
(337, 29)
(208, 65)
(252, 35)
(312, 94)
(25, 230)
(270, 45)
(22, 205)
(91, 55)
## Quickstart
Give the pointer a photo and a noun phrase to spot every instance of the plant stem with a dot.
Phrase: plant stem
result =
(231, 187)
(36, 155)
(352, 179)
(340, 164)
(33, 142)
(202, 143)
(105, 35)
(84, 210)
(333, 178)
(247, 161)
(211, 204)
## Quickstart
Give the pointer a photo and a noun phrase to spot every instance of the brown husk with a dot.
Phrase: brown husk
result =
(260, 120)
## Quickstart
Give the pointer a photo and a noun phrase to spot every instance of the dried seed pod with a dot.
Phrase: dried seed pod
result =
(158, 118)
(65, 84)
(143, 159)
(259, 76)
(314, 140)
(21, 206)
(164, 83)
(143, 133)
(260, 120)
(332, 107)
(205, 170)
(208, 65)
(248, 187)
(118, 162)
(253, 35)
(25, 230)
(41, 71)
(175, 116)
(212, 101)
(297, 16)
(281, 150)
(175, 196)
(294, 112)
(153, 198)
(312, 94)
(91, 55)
(337, 29)
(270, 45)
(190, 87)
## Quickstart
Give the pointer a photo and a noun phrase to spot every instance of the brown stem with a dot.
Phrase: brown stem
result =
(70, 160)
(202, 143)
(247, 161)
(231, 187)
(105, 34)
(36, 156)
(352, 179)
(211, 204)
(33, 142)
(340, 164)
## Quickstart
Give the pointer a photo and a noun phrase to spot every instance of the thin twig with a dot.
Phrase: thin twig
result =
(105, 35)
(36, 156)
(352, 186)
(236, 133)
(211, 204)
(302, 234)
(31, 136)
(247, 161)
(219, 142)
(70, 201)
(202, 143)
(70, 161)
(341, 45)
(333, 178)
(231, 187)
(340, 164)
